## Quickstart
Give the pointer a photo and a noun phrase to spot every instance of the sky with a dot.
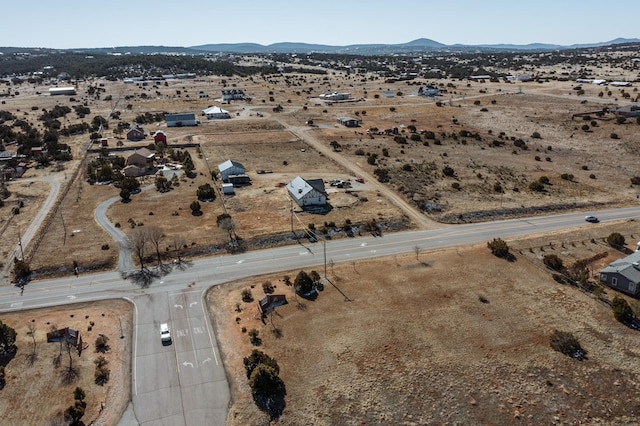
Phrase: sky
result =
(71, 24)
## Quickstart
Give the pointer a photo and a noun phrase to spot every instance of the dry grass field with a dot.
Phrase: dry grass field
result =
(492, 114)
(416, 344)
(36, 392)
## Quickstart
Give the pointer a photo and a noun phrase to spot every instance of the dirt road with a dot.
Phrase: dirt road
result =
(306, 134)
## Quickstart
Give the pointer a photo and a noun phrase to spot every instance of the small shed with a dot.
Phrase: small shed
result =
(160, 136)
(270, 302)
(227, 189)
(349, 122)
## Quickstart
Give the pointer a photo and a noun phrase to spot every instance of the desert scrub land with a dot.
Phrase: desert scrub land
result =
(481, 151)
(37, 388)
(419, 342)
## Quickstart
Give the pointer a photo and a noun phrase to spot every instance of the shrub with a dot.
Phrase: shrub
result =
(267, 287)
(102, 343)
(552, 261)
(535, 135)
(616, 240)
(246, 295)
(497, 187)
(566, 343)
(635, 180)
(614, 136)
(254, 336)
(255, 359)
(455, 185)
(448, 171)
(498, 247)
(621, 310)
(544, 180)
(101, 375)
(536, 186)
(592, 176)
(566, 176)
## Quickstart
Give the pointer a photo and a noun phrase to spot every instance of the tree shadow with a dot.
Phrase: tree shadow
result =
(273, 404)
(182, 265)
(143, 277)
(163, 269)
(70, 375)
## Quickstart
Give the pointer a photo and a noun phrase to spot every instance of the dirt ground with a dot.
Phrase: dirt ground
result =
(35, 392)
(416, 345)
(262, 211)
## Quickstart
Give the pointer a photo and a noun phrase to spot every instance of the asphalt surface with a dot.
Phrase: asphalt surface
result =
(184, 383)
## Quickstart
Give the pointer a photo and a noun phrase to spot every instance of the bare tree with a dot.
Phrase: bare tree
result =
(155, 235)
(416, 250)
(225, 221)
(178, 244)
(138, 245)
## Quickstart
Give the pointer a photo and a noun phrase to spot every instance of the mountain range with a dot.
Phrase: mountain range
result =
(421, 45)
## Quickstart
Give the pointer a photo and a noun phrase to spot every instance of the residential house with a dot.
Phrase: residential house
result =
(216, 113)
(57, 91)
(136, 133)
(230, 168)
(429, 91)
(623, 274)
(232, 95)
(142, 158)
(181, 120)
(307, 192)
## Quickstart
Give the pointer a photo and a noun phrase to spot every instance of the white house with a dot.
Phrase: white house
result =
(232, 95)
(307, 192)
(335, 96)
(180, 120)
(230, 168)
(216, 113)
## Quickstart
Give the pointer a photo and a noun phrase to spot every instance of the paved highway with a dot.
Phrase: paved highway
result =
(184, 383)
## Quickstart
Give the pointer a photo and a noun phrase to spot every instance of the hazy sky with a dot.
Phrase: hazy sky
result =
(73, 23)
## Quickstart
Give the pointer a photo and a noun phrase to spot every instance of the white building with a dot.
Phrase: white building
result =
(216, 113)
(54, 91)
(335, 96)
(230, 168)
(307, 192)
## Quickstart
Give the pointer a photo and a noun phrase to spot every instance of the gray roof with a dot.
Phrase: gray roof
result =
(300, 187)
(179, 117)
(628, 267)
(229, 164)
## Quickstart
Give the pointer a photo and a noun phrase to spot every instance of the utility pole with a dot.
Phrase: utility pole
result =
(324, 246)
(20, 244)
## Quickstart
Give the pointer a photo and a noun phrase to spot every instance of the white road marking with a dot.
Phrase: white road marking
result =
(192, 304)
(303, 253)
(178, 306)
(363, 245)
(72, 297)
(206, 360)
(16, 304)
(187, 363)
(240, 261)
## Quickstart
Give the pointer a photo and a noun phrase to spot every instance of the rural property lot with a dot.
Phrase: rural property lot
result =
(451, 337)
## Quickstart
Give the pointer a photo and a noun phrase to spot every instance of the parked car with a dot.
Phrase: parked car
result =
(591, 219)
(359, 180)
(165, 334)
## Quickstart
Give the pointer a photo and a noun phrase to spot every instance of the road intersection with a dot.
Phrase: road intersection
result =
(185, 383)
